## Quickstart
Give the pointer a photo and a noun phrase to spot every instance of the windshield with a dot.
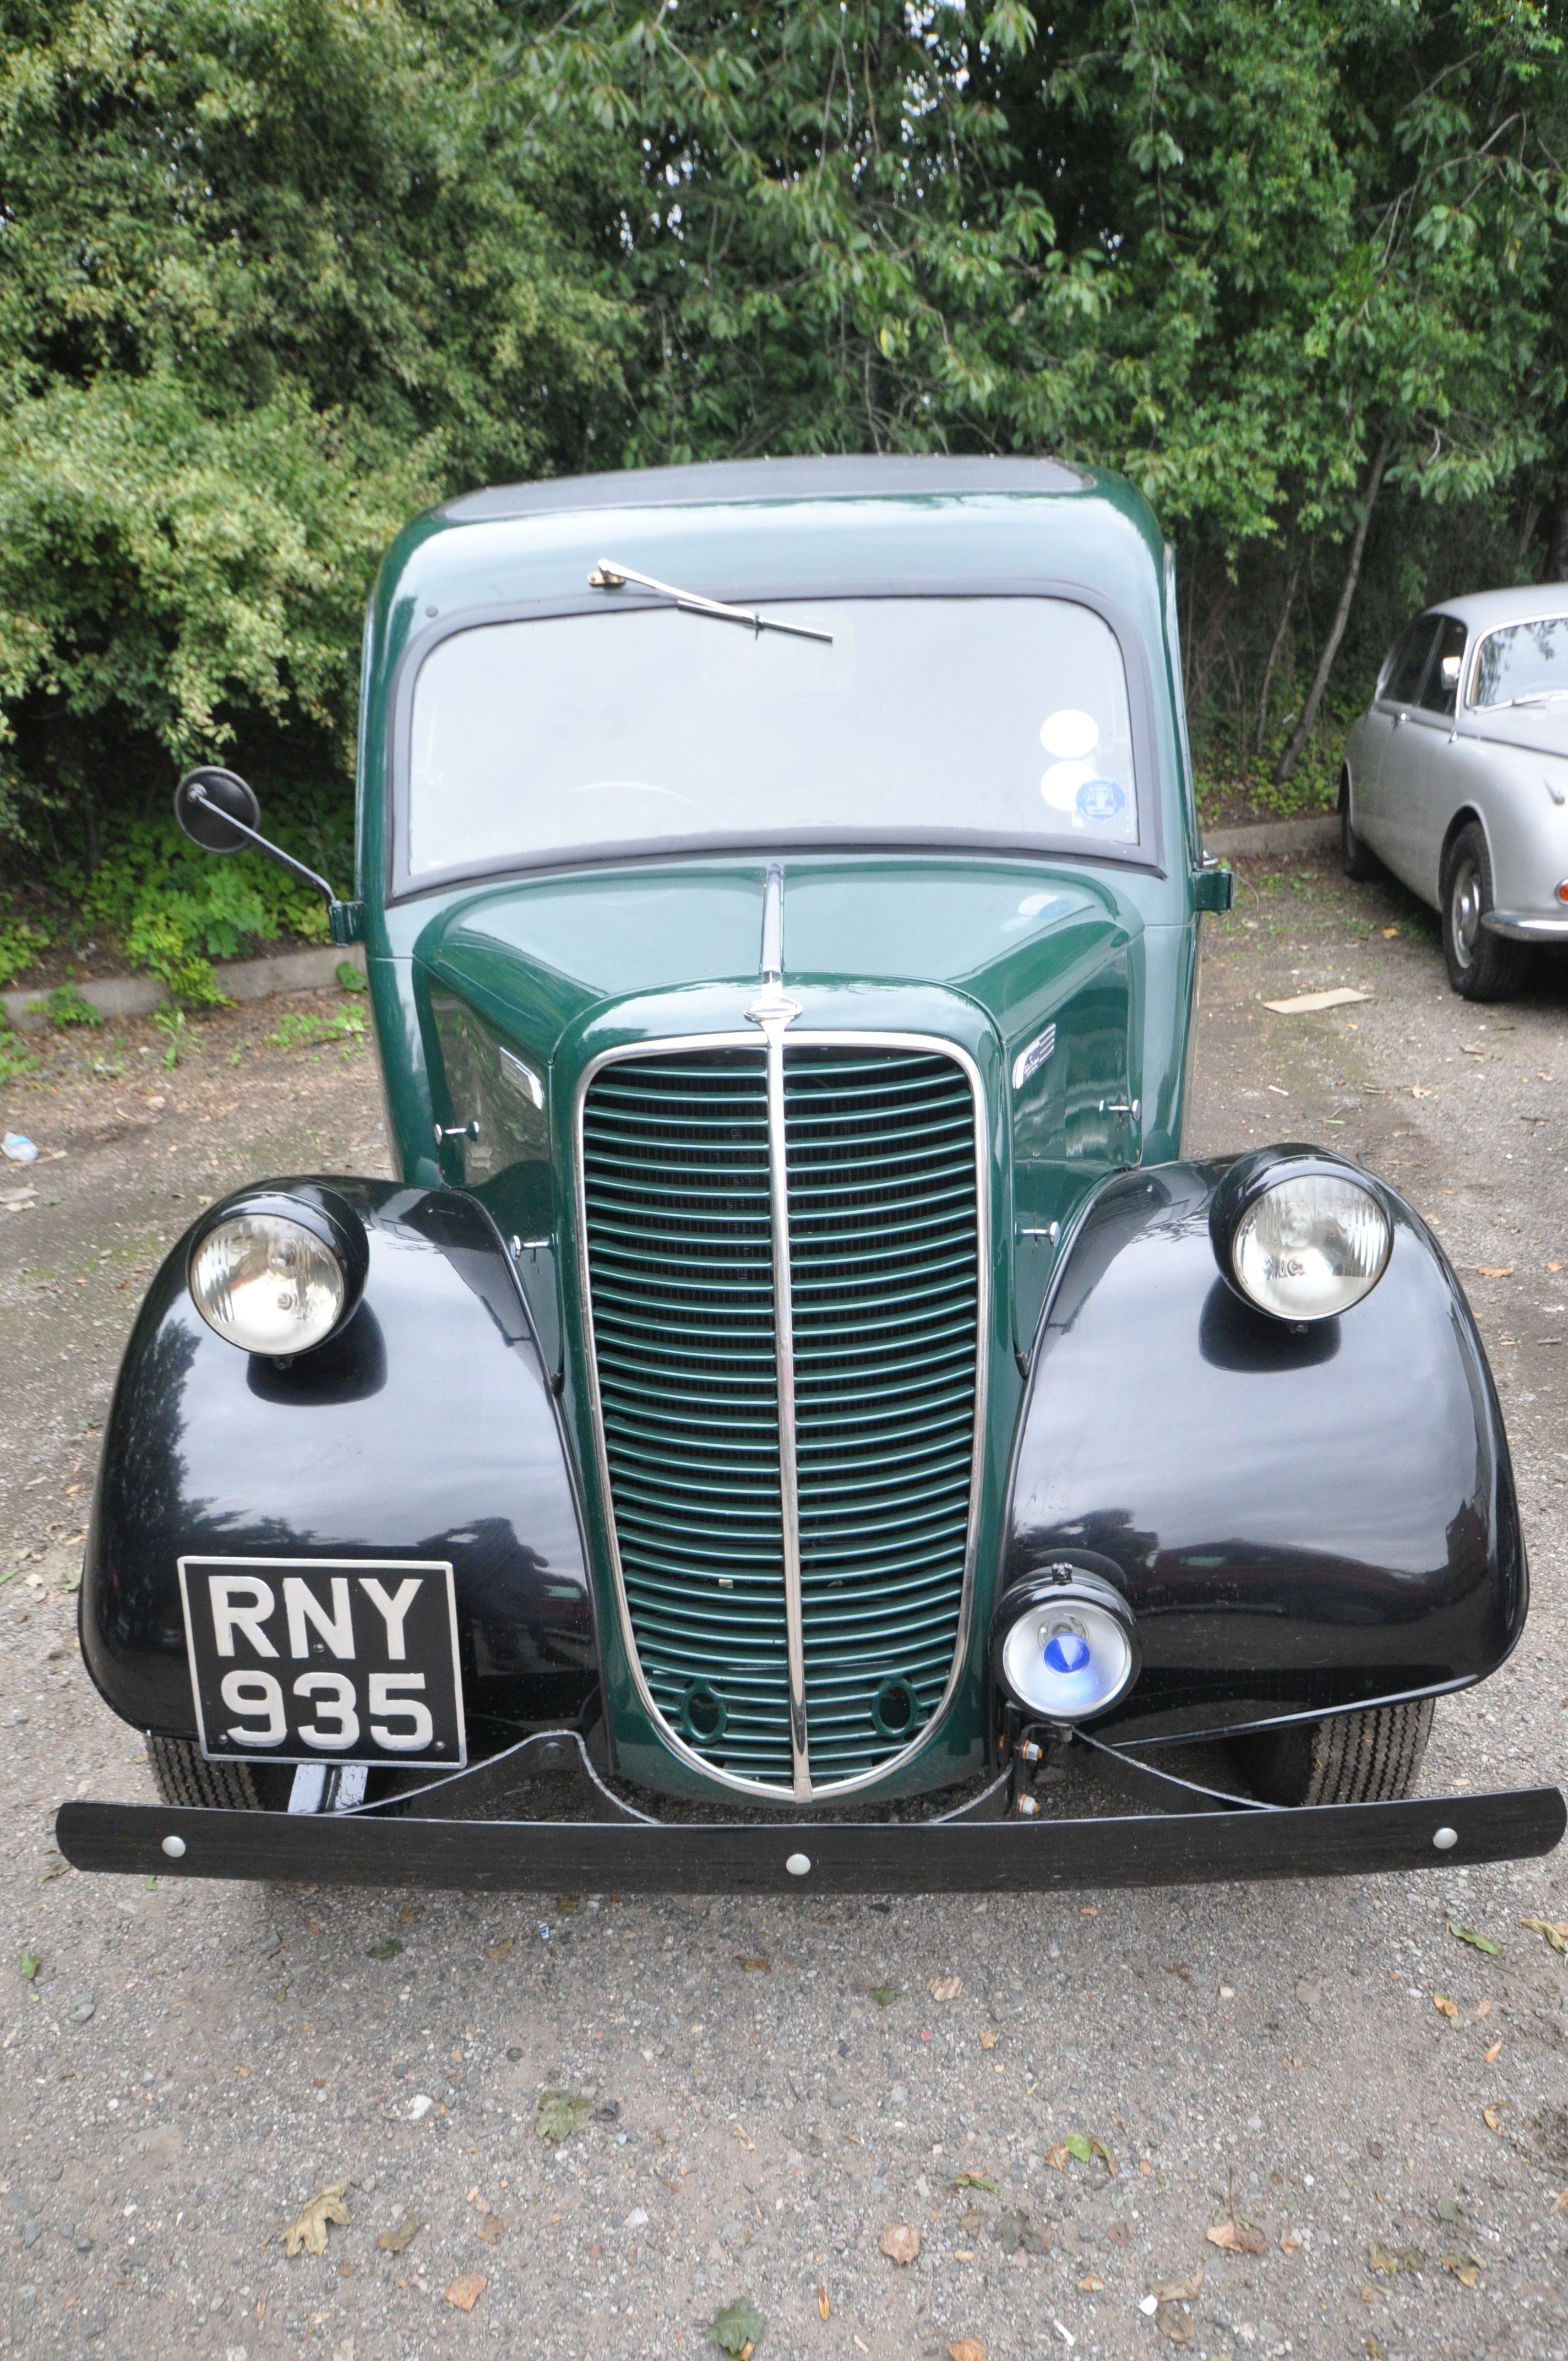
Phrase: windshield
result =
(1003, 717)
(1523, 660)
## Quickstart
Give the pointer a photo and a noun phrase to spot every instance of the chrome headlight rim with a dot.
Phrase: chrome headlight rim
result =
(1251, 1177)
(326, 1216)
(1062, 1583)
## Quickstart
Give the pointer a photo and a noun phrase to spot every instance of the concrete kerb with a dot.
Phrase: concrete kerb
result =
(138, 995)
(312, 970)
(1317, 834)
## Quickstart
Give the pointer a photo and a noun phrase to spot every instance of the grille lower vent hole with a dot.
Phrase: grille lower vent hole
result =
(896, 1709)
(703, 1713)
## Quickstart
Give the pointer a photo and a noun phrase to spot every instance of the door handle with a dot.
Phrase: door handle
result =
(1398, 720)
(445, 1131)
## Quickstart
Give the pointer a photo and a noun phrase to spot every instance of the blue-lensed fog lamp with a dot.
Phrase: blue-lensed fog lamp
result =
(1066, 1646)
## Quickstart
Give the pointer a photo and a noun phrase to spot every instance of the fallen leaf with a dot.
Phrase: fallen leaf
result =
(756, 1967)
(1392, 2260)
(945, 1987)
(1056, 2159)
(975, 2181)
(1477, 1942)
(1288, 2245)
(1493, 2116)
(27, 1966)
(1560, 2200)
(1482, 2008)
(989, 2038)
(825, 2310)
(966, 2348)
(1078, 2145)
(387, 1950)
(465, 2291)
(886, 1994)
(568, 1905)
(1489, 1270)
(502, 1950)
(1555, 1931)
(1465, 2268)
(1238, 2237)
(410, 1914)
(1173, 2324)
(1090, 2284)
(490, 2228)
(738, 2329)
(1183, 2291)
(741, 2136)
(1182, 1969)
(1017, 2234)
(1445, 2007)
(306, 2235)
(899, 2243)
(1494, 2053)
(558, 2116)
(398, 2241)
(1389, 933)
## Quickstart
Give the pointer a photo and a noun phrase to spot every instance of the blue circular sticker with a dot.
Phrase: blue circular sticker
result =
(1101, 800)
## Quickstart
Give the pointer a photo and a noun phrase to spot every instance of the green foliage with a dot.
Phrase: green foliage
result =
(17, 1060)
(275, 273)
(307, 1028)
(21, 942)
(65, 1006)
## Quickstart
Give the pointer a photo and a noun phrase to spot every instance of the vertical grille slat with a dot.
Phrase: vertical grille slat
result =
(884, 1272)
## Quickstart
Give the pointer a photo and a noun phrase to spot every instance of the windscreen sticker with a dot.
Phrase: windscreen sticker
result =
(1069, 734)
(1061, 783)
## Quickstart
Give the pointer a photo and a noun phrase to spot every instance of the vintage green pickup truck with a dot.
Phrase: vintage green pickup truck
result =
(797, 1393)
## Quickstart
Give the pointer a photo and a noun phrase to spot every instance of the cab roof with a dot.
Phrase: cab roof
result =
(855, 476)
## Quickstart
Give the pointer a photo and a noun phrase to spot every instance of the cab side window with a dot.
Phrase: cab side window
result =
(1441, 685)
(1408, 662)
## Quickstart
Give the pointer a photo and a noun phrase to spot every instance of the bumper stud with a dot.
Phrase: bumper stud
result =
(175, 1848)
(799, 1864)
(1445, 1838)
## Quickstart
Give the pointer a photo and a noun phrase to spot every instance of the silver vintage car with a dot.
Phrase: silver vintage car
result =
(1455, 778)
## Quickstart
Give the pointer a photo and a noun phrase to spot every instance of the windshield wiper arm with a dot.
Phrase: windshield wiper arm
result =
(611, 575)
(1539, 696)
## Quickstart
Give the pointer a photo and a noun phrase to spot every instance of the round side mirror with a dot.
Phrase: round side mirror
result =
(204, 816)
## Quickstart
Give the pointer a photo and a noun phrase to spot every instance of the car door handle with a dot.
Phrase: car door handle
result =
(1398, 720)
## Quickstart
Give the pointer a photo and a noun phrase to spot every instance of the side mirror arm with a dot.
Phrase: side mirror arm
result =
(1214, 888)
(198, 795)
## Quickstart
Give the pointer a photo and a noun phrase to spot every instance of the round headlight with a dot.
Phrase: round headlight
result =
(278, 1275)
(1300, 1235)
(1066, 1644)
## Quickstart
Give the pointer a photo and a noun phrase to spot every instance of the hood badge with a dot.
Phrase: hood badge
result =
(1029, 1061)
(772, 1005)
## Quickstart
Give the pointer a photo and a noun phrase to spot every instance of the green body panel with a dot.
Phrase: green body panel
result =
(981, 950)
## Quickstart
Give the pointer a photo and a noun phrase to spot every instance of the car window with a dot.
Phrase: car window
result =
(1523, 660)
(918, 716)
(1441, 685)
(1408, 662)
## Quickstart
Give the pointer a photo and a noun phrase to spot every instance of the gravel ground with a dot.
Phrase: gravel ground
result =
(769, 2085)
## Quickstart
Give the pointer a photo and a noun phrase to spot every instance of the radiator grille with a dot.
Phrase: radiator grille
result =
(883, 1245)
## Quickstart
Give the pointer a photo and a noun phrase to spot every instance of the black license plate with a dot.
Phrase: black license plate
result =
(324, 1660)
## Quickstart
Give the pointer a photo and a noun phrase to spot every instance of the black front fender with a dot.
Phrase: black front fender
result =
(1299, 1520)
(426, 1428)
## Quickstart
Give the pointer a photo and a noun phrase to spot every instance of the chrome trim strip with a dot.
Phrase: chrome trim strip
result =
(673, 1045)
(1521, 928)
(774, 1029)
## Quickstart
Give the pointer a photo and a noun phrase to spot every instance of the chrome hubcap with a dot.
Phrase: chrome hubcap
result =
(1465, 909)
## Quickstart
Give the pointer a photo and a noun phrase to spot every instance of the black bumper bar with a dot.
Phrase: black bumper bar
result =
(823, 1857)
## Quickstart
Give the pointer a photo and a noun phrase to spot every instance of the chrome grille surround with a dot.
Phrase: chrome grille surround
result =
(790, 1784)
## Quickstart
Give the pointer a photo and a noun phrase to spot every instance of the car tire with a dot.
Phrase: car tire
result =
(182, 1775)
(1358, 864)
(1481, 965)
(1353, 1758)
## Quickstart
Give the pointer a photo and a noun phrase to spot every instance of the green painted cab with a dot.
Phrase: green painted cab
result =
(780, 890)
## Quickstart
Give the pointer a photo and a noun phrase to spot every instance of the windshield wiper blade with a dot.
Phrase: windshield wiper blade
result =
(1539, 696)
(611, 575)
